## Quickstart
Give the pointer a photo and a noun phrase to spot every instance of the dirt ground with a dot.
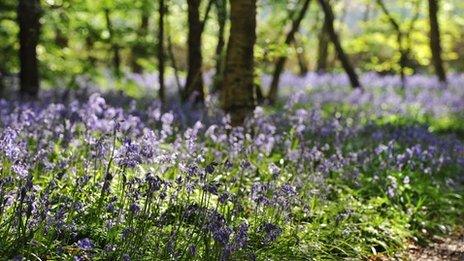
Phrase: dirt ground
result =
(451, 248)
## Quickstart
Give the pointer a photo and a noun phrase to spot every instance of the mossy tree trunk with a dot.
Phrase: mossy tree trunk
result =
(238, 94)
(323, 48)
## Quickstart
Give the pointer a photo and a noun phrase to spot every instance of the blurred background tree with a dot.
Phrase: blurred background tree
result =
(107, 42)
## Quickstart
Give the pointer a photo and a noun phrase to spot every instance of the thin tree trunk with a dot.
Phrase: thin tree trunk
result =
(399, 40)
(221, 9)
(301, 57)
(259, 95)
(172, 57)
(412, 24)
(435, 41)
(302, 63)
(114, 45)
(29, 30)
(194, 84)
(273, 89)
(2, 84)
(209, 6)
(138, 50)
(237, 95)
(89, 45)
(349, 69)
(323, 48)
(403, 59)
(161, 57)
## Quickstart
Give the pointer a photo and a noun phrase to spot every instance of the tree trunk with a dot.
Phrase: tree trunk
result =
(237, 96)
(194, 84)
(259, 97)
(273, 89)
(29, 29)
(323, 48)
(138, 50)
(221, 8)
(403, 58)
(435, 42)
(172, 58)
(209, 6)
(114, 45)
(2, 85)
(89, 45)
(301, 57)
(399, 39)
(161, 57)
(329, 16)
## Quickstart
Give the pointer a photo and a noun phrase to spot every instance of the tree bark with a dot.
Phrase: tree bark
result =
(435, 41)
(114, 46)
(301, 57)
(349, 69)
(29, 30)
(237, 96)
(161, 54)
(273, 89)
(194, 85)
(221, 9)
(323, 48)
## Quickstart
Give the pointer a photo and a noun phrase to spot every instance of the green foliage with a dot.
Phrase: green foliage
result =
(75, 39)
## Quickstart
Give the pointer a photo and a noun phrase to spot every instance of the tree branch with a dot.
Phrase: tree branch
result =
(205, 19)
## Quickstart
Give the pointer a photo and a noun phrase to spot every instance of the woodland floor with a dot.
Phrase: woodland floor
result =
(450, 248)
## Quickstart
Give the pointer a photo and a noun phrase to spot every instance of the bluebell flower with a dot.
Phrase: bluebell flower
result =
(134, 208)
(271, 232)
(192, 250)
(85, 244)
(126, 257)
